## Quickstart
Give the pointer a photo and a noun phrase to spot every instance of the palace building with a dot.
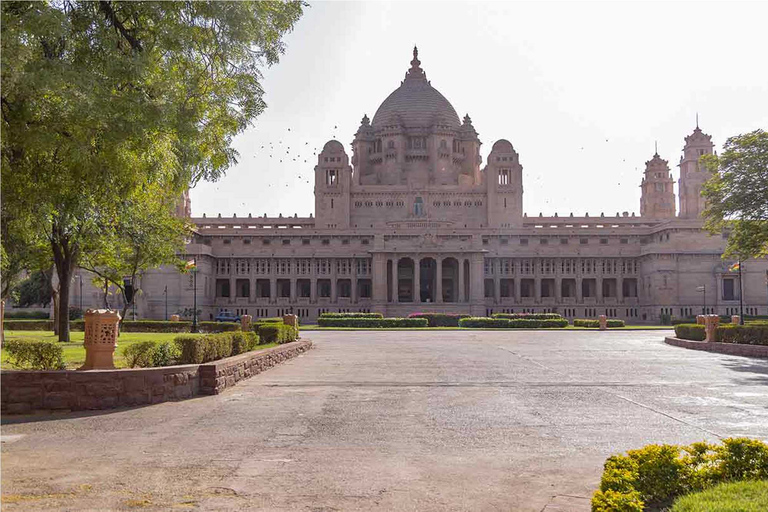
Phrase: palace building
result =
(411, 219)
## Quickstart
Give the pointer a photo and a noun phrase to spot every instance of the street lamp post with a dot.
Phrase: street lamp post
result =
(194, 303)
(703, 289)
(741, 297)
(80, 276)
(165, 292)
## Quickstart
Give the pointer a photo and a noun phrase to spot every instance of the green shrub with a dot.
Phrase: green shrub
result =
(150, 354)
(27, 315)
(203, 349)
(752, 334)
(34, 355)
(726, 497)
(277, 333)
(351, 315)
(692, 332)
(440, 319)
(28, 325)
(372, 323)
(154, 326)
(212, 327)
(613, 501)
(516, 323)
(244, 342)
(589, 322)
(139, 354)
(479, 322)
(528, 316)
(654, 476)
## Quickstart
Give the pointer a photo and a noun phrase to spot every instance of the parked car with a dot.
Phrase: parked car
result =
(227, 316)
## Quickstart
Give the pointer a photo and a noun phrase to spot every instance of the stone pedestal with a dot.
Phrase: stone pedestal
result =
(245, 322)
(701, 319)
(175, 318)
(291, 320)
(100, 339)
(710, 326)
(603, 322)
(735, 319)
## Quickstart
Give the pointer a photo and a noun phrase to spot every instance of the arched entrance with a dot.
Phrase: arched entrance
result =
(450, 280)
(405, 278)
(427, 279)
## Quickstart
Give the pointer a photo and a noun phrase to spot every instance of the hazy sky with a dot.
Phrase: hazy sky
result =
(582, 90)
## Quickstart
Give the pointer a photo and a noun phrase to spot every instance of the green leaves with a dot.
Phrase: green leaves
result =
(737, 195)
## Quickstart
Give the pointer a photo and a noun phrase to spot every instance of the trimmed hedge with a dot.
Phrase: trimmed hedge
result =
(373, 323)
(26, 315)
(351, 315)
(752, 334)
(213, 327)
(154, 326)
(34, 355)
(441, 319)
(588, 322)
(150, 354)
(693, 332)
(127, 325)
(243, 342)
(528, 316)
(654, 476)
(203, 349)
(517, 323)
(273, 332)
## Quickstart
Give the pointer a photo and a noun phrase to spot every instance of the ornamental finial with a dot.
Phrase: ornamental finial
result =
(415, 63)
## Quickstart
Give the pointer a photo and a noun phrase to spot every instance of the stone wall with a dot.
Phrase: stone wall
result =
(734, 349)
(217, 376)
(29, 391)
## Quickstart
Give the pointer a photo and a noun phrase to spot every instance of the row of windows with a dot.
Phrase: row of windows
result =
(608, 266)
(300, 266)
(546, 241)
(304, 241)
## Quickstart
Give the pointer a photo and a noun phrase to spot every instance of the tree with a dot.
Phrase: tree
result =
(103, 99)
(146, 235)
(737, 195)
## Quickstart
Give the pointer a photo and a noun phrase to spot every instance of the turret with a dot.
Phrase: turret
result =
(657, 199)
(333, 176)
(504, 182)
(693, 174)
(469, 146)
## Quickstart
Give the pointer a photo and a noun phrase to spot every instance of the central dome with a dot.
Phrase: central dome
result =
(416, 104)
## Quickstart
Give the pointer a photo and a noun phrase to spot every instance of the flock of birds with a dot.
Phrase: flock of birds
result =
(281, 153)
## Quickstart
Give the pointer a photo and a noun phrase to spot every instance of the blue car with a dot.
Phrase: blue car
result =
(227, 316)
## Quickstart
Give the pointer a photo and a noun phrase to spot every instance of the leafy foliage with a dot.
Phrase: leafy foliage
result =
(737, 194)
(726, 497)
(111, 109)
(34, 355)
(654, 476)
(693, 332)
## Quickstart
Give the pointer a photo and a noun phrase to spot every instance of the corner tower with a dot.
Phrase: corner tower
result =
(333, 176)
(658, 197)
(693, 174)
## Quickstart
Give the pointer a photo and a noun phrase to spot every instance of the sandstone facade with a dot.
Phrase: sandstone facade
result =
(413, 221)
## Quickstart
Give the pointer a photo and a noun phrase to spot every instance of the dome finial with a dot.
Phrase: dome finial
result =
(656, 148)
(415, 71)
(415, 63)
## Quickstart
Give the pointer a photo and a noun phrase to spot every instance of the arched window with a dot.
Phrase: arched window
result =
(443, 144)
(418, 207)
(391, 144)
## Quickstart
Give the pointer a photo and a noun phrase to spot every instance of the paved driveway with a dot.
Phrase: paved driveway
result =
(449, 420)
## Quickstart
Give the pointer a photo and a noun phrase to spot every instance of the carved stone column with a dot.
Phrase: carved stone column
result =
(100, 339)
(394, 277)
(460, 295)
(439, 280)
(416, 280)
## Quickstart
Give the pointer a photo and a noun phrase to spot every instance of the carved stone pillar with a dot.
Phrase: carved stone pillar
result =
(460, 294)
(416, 280)
(439, 280)
(100, 339)
(395, 279)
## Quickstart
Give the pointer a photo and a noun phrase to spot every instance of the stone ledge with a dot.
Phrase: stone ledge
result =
(734, 349)
(25, 391)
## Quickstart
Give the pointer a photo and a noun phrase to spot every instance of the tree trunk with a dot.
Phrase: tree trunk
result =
(55, 296)
(65, 279)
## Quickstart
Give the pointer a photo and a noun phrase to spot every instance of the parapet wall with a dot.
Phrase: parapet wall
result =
(25, 392)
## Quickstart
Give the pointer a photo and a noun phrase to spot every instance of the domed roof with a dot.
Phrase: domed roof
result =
(416, 103)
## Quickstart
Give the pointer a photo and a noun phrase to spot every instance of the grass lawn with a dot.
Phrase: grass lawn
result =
(727, 497)
(313, 327)
(74, 353)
